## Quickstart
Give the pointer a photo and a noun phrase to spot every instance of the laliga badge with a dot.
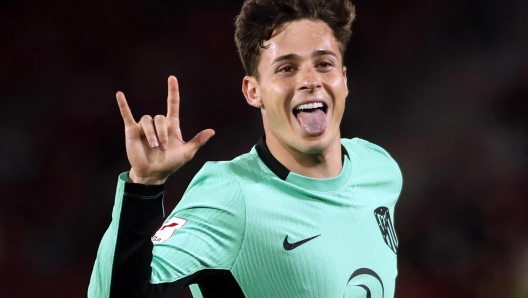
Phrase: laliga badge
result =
(167, 229)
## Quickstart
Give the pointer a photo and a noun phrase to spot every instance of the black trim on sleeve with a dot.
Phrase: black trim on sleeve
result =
(219, 284)
(141, 215)
(145, 191)
(274, 165)
(213, 283)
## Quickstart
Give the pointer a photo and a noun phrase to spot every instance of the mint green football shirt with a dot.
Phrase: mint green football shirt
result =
(250, 228)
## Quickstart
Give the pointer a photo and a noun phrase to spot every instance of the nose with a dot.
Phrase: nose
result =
(310, 81)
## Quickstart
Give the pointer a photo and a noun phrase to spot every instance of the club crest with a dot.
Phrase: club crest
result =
(386, 227)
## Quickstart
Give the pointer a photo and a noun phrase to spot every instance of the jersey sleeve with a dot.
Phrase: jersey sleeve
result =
(203, 234)
(212, 213)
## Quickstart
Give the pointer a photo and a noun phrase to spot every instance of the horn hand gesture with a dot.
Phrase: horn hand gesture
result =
(154, 146)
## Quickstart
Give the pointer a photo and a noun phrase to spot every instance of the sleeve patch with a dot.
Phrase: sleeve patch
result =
(167, 229)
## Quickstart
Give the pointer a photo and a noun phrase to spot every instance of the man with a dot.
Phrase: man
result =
(303, 214)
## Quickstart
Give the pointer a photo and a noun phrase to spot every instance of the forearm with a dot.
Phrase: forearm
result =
(122, 267)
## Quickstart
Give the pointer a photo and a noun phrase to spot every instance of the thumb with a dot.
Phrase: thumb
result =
(198, 141)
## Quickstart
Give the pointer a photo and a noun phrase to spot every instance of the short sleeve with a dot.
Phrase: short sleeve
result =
(205, 231)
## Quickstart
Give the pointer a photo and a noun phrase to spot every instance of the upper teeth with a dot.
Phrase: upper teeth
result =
(308, 106)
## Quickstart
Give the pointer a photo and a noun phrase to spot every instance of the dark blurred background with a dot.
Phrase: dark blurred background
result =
(442, 85)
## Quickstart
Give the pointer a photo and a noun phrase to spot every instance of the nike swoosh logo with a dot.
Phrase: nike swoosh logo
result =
(290, 246)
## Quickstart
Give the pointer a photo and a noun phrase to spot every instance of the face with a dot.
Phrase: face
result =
(302, 87)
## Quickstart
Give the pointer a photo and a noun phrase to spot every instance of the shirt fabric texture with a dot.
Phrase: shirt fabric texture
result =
(250, 228)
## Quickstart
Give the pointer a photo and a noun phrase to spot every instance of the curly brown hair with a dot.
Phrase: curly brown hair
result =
(259, 18)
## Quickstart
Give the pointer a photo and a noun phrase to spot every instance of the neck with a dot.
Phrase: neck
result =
(325, 164)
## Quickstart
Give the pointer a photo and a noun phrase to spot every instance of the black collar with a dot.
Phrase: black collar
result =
(274, 165)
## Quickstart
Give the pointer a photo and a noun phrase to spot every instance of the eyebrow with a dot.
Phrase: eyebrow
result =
(316, 53)
(319, 53)
(286, 57)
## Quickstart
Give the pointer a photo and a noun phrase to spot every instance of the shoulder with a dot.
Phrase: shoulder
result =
(360, 147)
(212, 173)
(220, 183)
(357, 144)
(243, 170)
(213, 178)
(233, 171)
(372, 157)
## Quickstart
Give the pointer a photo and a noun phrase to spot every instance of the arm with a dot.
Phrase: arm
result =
(198, 243)
(155, 150)
(122, 267)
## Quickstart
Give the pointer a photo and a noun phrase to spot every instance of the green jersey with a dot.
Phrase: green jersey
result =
(250, 228)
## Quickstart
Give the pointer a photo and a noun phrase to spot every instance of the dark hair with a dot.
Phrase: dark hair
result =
(259, 18)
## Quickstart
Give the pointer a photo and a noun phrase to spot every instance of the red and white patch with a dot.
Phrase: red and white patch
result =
(167, 229)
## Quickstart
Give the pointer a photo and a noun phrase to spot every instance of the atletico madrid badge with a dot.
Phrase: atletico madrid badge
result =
(386, 227)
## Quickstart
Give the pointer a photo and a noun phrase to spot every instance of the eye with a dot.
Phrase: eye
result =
(286, 69)
(325, 64)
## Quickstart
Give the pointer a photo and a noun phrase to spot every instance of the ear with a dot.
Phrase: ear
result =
(345, 78)
(250, 88)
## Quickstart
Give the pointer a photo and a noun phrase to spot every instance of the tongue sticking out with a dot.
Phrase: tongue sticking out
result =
(313, 121)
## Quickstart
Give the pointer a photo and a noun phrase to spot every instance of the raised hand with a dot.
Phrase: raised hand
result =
(154, 146)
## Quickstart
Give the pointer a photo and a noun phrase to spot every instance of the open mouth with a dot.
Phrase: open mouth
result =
(310, 107)
(312, 117)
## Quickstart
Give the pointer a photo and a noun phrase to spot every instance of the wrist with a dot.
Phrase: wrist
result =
(134, 178)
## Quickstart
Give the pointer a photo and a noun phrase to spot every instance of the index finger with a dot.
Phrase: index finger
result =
(125, 110)
(173, 98)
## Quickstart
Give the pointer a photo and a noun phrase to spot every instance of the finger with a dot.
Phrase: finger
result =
(198, 141)
(174, 130)
(160, 124)
(173, 99)
(125, 110)
(147, 126)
